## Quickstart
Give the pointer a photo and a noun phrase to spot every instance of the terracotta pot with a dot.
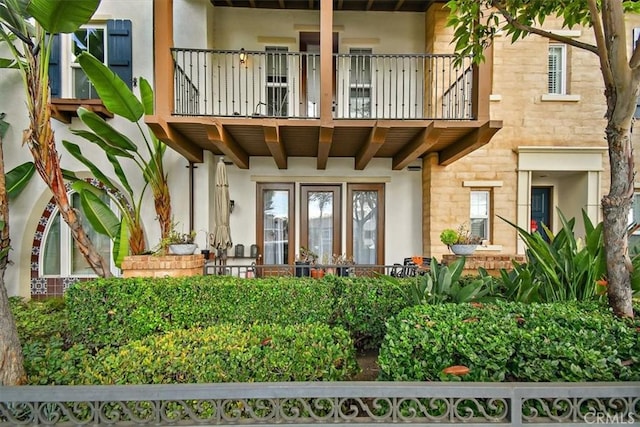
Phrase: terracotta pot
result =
(317, 273)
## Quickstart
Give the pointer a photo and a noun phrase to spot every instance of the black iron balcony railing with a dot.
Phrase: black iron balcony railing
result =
(277, 83)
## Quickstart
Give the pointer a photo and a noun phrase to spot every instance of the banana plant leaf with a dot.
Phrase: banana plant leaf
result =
(105, 131)
(108, 148)
(114, 92)
(4, 126)
(18, 178)
(75, 151)
(62, 16)
(121, 243)
(99, 215)
(8, 63)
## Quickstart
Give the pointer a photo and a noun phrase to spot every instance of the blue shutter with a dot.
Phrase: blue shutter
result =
(55, 76)
(636, 34)
(119, 49)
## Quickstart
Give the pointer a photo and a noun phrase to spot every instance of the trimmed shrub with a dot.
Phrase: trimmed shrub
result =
(39, 320)
(511, 342)
(363, 305)
(228, 353)
(114, 311)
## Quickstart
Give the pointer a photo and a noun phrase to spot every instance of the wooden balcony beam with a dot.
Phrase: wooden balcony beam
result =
(424, 141)
(218, 136)
(174, 139)
(324, 146)
(275, 145)
(370, 148)
(470, 142)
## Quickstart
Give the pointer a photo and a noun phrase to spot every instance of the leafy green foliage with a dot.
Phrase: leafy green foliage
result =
(18, 178)
(562, 269)
(441, 283)
(113, 311)
(228, 353)
(115, 145)
(578, 341)
(363, 305)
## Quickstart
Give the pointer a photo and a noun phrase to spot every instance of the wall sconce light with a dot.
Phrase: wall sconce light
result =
(232, 204)
(243, 56)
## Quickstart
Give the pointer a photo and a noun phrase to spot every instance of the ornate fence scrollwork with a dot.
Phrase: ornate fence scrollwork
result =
(322, 404)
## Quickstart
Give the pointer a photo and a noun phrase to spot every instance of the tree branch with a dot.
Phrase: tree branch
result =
(603, 53)
(540, 32)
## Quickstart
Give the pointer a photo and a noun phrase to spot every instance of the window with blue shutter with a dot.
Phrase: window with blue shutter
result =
(636, 35)
(111, 44)
(55, 73)
(119, 49)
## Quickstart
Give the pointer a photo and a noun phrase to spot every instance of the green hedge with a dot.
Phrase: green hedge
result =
(114, 311)
(511, 342)
(228, 353)
(363, 305)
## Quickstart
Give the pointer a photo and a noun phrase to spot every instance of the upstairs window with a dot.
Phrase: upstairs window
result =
(360, 83)
(110, 43)
(88, 39)
(557, 72)
(277, 84)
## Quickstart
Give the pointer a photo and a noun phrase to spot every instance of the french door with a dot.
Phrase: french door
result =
(320, 220)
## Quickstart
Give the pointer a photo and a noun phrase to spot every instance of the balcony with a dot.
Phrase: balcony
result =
(284, 84)
(243, 104)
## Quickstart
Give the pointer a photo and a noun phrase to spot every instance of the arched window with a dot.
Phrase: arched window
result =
(59, 256)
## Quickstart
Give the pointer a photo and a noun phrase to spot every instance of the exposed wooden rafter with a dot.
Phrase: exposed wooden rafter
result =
(370, 148)
(324, 146)
(424, 141)
(471, 142)
(369, 4)
(275, 146)
(218, 135)
(174, 139)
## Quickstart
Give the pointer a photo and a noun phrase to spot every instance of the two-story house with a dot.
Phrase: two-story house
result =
(347, 126)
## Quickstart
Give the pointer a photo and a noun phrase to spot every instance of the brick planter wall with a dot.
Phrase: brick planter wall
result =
(492, 263)
(162, 266)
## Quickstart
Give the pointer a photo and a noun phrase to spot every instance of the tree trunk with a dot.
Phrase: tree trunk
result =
(616, 207)
(11, 363)
(41, 142)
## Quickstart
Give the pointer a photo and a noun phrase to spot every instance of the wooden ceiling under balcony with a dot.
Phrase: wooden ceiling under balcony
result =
(353, 5)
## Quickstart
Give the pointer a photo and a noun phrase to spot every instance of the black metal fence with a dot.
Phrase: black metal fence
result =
(279, 83)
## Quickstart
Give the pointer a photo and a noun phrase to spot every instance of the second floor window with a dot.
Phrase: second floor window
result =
(111, 43)
(92, 40)
(360, 83)
(277, 82)
(557, 72)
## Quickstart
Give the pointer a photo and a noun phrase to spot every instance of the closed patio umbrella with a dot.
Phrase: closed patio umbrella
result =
(220, 238)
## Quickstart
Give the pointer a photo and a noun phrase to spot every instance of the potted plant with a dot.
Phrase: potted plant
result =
(342, 263)
(178, 243)
(304, 259)
(460, 241)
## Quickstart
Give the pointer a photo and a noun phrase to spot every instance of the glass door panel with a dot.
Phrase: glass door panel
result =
(365, 224)
(275, 230)
(320, 219)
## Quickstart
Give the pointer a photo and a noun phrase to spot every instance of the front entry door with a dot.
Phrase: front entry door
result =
(540, 209)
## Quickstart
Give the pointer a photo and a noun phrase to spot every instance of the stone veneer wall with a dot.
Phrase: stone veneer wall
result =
(162, 266)
(491, 262)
